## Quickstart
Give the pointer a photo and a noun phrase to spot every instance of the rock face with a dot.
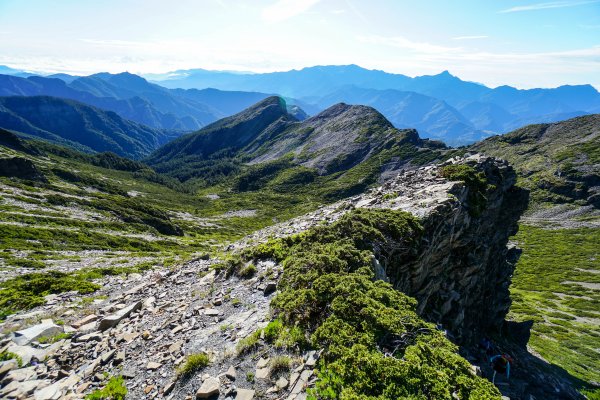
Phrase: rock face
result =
(19, 167)
(460, 274)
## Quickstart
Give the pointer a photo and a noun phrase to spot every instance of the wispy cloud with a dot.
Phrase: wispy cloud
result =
(286, 9)
(545, 6)
(408, 44)
(473, 37)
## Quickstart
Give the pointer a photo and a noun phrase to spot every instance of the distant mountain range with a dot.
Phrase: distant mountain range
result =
(134, 98)
(79, 126)
(440, 106)
(483, 111)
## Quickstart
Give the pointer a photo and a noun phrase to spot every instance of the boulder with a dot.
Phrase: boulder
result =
(26, 336)
(231, 373)
(84, 321)
(244, 394)
(210, 387)
(113, 320)
(270, 287)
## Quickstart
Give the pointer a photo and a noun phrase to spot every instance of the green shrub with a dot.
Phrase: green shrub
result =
(115, 389)
(475, 181)
(247, 272)
(193, 363)
(280, 365)
(26, 263)
(248, 343)
(375, 345)
(7, 355)
(54, 338)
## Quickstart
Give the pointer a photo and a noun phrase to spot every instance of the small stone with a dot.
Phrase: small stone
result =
(148, 389)
(105, 357)
(128, 373)
(62, 374)
(153, 365)
(244, 394)
(210, 387)
(9, 365)
(177, 329)
(175, 348)
(113, 320)
(83, 387)
(263, 362)
(262, 373)
(231, 373)
(84, 321)
(282, 383)
(146, 335)
(98, 377)
(168, 388)
(120, 357)
(211, 312)
(270, 287)
(95, 336)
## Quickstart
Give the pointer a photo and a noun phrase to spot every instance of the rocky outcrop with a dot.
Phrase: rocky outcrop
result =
(147, 326)
(460, 273)
(19, 167)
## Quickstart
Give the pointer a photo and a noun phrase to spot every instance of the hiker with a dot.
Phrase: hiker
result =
(500, 364)
(487, 345)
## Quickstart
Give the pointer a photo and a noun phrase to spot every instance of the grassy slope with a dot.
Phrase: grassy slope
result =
(557, 163)
(557, 285)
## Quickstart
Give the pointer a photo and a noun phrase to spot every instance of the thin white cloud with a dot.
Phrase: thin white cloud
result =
(404, 43)
(286, 9)
(549, 5)
(473, 37)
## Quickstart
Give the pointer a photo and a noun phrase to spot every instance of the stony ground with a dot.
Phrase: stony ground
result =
(144, 327)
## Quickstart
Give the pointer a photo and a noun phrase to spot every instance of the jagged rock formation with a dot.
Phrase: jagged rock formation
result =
(146, 325)
(460, 274)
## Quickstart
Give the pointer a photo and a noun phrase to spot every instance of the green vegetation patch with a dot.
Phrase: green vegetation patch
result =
(557, 285)
(193, 363)
(27, 291)
(376, 346)
(115, 389)
(475, 181)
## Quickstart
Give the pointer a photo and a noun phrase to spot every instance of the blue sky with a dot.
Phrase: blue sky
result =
(521, 43)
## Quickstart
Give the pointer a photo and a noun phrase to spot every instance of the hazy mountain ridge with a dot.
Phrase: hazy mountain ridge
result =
(510, 107)
(79, 125)
(134, 98)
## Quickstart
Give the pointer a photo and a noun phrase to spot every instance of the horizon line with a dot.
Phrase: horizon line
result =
(247, 72)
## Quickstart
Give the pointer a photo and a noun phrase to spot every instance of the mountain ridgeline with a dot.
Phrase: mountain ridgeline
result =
(441, 107)
(266, 146)
(79, 126)
(478, 110)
